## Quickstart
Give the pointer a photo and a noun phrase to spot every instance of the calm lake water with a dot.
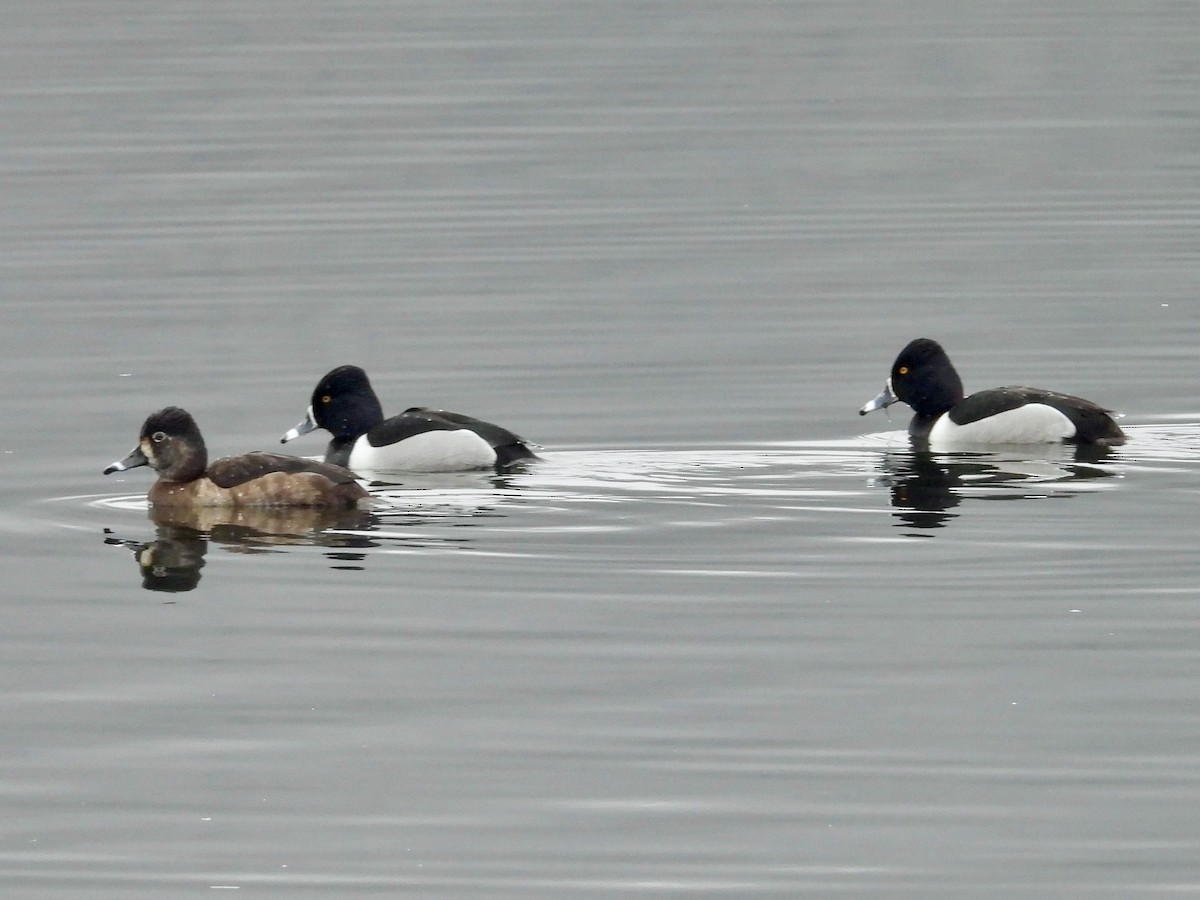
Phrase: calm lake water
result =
(728, 638)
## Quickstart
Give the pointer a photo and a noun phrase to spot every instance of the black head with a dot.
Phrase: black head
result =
(170, 443)
(924, 378)
(344, 403)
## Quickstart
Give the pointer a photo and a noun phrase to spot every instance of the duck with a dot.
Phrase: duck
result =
(171, 444)
(924, 378)
(417, 440)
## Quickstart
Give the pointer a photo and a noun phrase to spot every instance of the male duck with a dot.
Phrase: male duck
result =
(170, 443)
(417, 440)
(924, 378)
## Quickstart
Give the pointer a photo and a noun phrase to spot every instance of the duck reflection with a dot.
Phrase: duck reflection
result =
(926, 486)
(471, 480)
(173, 560)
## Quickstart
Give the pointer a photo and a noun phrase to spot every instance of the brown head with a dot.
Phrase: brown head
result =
(170, 444)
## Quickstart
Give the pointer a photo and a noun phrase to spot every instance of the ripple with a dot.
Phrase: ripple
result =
(605, 491)
(1161, 443)
(122, 503)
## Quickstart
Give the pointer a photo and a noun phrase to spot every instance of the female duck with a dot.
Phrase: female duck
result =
(417, 440)
(170, 443)
(924, 378)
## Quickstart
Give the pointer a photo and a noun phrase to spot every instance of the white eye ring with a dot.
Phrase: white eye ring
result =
(158, 437)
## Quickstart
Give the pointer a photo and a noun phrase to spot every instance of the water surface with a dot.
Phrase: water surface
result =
(721, 640)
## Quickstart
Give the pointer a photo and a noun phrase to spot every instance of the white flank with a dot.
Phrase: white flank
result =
(1034, 423)
(430, 451)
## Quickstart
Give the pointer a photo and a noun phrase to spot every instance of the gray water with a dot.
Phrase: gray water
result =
(728, 639)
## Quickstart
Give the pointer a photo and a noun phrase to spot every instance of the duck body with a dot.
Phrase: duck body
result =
(924, 378)
(417, 440)
(171, 444)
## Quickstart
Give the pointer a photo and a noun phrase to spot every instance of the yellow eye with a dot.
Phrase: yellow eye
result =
(903, 370)
(326, 399)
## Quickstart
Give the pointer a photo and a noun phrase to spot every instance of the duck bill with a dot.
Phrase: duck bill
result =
(304, 426)
(135, 458)
(885, 399)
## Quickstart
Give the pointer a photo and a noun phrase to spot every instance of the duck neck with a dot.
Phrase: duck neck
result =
(338, 451)
(357, 416)
(190, 464)
(921, 425)
(937, 397)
